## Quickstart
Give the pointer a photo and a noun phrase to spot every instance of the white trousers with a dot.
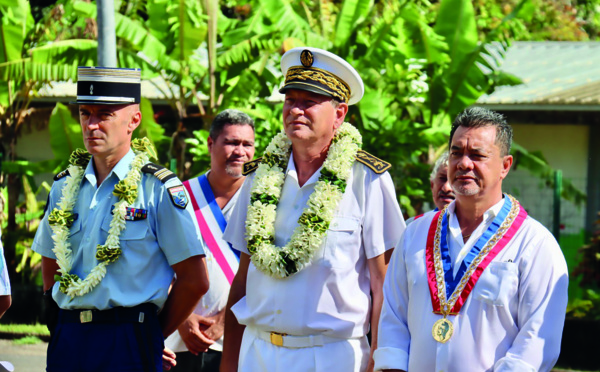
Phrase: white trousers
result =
(257, 355)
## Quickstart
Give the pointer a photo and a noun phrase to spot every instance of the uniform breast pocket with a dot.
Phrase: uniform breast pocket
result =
(134, 230)
(498, 284)
(75, 228)
(342, 242)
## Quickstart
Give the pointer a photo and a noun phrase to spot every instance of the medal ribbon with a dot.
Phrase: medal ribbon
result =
(450, 281)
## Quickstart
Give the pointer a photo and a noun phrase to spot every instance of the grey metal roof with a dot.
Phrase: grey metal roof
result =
(555, 75)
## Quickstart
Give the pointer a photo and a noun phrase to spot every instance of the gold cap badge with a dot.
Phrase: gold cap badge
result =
(306, 57)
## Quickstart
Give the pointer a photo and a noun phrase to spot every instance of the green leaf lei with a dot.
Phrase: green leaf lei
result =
(281, 262)
(62, 217)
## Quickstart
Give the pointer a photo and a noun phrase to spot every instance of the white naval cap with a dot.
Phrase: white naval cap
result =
(319, 71)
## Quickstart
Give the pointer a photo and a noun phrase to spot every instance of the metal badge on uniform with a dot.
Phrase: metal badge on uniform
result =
(135, 214)
(178, 196)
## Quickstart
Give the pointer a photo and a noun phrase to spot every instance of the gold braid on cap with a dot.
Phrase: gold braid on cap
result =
(337, 87)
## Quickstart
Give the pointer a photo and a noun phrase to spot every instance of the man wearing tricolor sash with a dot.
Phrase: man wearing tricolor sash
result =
(316, 223)
(198, 343)
(480, 285)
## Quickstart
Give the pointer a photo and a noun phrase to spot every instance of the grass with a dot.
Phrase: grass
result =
(31, 329)
(28, 340)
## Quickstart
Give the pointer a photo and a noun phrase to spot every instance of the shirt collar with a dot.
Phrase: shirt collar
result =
(488, 215)
(291, 171)
(120, 169)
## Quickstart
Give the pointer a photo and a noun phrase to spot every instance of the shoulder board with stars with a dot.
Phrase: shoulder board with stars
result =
(250, 166)
(375, 164)
(160, 172)
(60, 175)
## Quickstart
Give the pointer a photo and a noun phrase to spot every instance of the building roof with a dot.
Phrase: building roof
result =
(556, 76)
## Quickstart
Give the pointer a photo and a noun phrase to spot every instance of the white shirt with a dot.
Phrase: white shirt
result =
(215, 299)
(331, 296)
(4, 282)
(511, 321)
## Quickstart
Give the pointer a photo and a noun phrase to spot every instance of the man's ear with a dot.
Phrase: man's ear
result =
(136, 120)
(340, 114)
(507, 162)
(209, 143)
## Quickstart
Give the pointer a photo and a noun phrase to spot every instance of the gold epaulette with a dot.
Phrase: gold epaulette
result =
(377, 165)
(250, 166)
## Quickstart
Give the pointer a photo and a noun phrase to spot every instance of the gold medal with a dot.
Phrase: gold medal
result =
(442, 330)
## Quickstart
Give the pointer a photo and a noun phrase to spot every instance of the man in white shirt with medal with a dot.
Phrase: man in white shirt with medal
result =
(478, 286)
(316, 222)
(199, 340)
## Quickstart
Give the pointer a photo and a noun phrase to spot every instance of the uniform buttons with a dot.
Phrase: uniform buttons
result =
(296, 206)
(278, 312)
(335, 224)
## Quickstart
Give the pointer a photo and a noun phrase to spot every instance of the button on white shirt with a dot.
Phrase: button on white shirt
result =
(511, 321)
(330, 296)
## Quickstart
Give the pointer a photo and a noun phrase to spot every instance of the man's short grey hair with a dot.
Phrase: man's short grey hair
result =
(229, 117)
(476, 117)
(440, 162)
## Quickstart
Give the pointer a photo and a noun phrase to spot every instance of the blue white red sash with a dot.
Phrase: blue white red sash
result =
(450, 281)
(212, 224)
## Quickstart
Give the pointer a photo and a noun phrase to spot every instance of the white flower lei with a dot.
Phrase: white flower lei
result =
(62, 217)
(281, 262)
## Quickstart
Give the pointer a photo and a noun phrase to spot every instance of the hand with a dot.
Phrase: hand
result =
(215, 330)
(193, 335)
(168, 359)
(370, 365)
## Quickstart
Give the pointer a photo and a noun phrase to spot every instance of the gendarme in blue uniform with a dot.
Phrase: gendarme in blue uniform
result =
(162, 234)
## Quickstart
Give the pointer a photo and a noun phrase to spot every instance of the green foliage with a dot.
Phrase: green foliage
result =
(587, 307)
(587, 269)
(541, 20)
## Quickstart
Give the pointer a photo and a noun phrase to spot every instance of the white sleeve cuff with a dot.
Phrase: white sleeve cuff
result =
(509, 364)
(390, 358)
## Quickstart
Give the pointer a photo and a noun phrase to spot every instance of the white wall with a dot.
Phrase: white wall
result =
(565, 147)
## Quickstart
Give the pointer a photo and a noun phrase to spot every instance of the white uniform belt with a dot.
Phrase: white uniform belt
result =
(282, 339)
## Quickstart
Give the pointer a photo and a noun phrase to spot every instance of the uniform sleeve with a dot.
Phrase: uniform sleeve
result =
(4, 282)
(383, 222)
(235, 232)
(177, 231)
(543, 285)
(42, 243)
(394, 338)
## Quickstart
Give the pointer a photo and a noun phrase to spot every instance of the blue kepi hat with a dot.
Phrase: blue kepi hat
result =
(108, 86)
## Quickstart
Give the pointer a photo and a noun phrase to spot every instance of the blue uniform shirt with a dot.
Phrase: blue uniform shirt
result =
(150, 246)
